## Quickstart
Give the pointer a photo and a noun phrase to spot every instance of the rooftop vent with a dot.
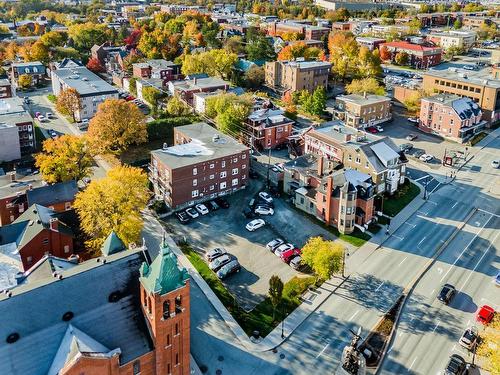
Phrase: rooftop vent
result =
(215, 138)
(165, 146)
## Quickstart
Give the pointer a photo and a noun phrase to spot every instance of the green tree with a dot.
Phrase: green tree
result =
(453, 51)
(457, 25)
(216, 62)
(132, 85)
(254, 77)
(368, 85)
(230, 121)
(318, 101)
(260, 49)
(85, 35)
(324, 257)
(25, 81)
(151, 95)
(401, 58)
(177, 108)
(275, 292)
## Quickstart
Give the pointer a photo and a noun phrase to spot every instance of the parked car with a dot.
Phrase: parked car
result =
(371, 129)
(497, 279)
(83, 125)
(255, 224)
(446, 294)
(201, 208)
(469, 338)
(469, 67)
(288, 255)
(413, 120)
(495, 163)
(248, 213)
(411, 137)
(405, 147)
(261, 210)
(263, 203)
(228, 269)
(279, 167)
(52, 133)
(272, 245)
(296, 262)
(192, 213)
(379, 128)
(485, 314)
(426, 158)
(253, 174)
(222, 202)
(265, 196)
(418, 153)
(213, 206)
(26, 100)
(455, 366)
(282, 248)
(49, 115)
(218, 262)
(183, 217)
(215, 253)
(41, 118)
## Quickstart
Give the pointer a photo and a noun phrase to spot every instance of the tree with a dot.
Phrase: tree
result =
(299, 49)
(324, 257)
(132, 85)
(151, 95)
(275, 292)
(401, 58)
(412, 102)
(385, 54)
(68, 102)
(234, 44)
(452, 51)
(368, 85)
(85, 35)
(260, 49)
(113, 203)
(254, 77)
(176, 107)
(217, 62)
(64, 158)
(54, 39)
(116, 125)
(344, 52)
(94, 65)
(317, 101)
(368, 63)
(25, 81)
(457, 25)
(230, 121)
(35, 52)
(489, 346)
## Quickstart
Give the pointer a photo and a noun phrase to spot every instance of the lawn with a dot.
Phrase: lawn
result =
(261, 317)
(406, 193)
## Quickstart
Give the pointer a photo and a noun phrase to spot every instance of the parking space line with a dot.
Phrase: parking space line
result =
(422, 240)
(422, 212)
(421, 178)
(488, 212)
(429, 201)
(322, 350)
(400, 263)
(437, 325)
(400, 238)
(433, 190)
(380, 286)
(411, 225)
(353, 315)
(454, 204)
(409, 368)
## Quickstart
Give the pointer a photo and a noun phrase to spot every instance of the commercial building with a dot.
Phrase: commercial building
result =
(376, 156)
(118, 314)
(186, 88)
(295, 76)
(268, 128)
(480, 86)
(386, 30)
(451, 117)
(202, 164)
(360, 111)
(419, 56)
(369, 42)
(454, 38)
(12, 112)
(341, 198)
(35, 69)
(92, 89)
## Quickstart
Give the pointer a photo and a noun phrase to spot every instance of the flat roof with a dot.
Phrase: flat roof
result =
(336, 131)
(204, 146)
(480, 77)
(84, 81)
(363, 100)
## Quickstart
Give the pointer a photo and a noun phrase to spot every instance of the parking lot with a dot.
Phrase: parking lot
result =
(226, 228)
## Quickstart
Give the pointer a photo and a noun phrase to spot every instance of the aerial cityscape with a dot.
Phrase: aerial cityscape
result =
(293, 187)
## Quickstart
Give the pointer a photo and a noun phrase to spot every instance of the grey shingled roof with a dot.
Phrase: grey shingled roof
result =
(53, 194)
(35, 311)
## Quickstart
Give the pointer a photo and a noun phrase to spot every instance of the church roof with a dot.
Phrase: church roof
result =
(164, 274)
(112, 245)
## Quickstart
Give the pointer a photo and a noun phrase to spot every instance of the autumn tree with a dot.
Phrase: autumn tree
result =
(35, 52)
(385, 54)
(412, 102)
(368, 63)
(254, 77)
(324, 257)
(299, 49)
(95, 65)
(216, 62)
(401, 58)
(151, 95)
(116, 125)
(234, 44)
(25, 81)
(275, 292)
(365, 85)
(85, 35)
(343, 54)
(113, 203)
(176, 107)
(489, 345)
(69, 103)
(64, 158)
(54, 39)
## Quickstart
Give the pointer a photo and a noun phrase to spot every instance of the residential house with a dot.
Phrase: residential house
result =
(419, 56)
(360, 111)
(12, 112)
(200, 98)
(268, 128)
(473, 22)
(377, 156)
(109, 56)
(118, 314)
(451, 117)
(91, 88)
(341, 26)
(303, 30)
(202, 164)
(157, 68)
(35, 69)
(6, 89)
(480, 86)
(293, 76)
(186, 88)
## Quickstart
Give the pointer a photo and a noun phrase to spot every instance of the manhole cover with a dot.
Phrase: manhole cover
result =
(203, 368)
(282, 356)
(220, 358)
(218, 372)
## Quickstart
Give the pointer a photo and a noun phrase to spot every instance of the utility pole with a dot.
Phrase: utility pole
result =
(268, 168)
(345, 253)
(283, 323)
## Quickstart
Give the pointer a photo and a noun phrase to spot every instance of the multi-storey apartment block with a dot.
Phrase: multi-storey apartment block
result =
(297, 75)
(360, 111)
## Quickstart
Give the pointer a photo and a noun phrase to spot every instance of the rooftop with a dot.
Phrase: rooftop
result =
(308, 64)
(21, 183)
(476, 77)
(207, 143)
(52, 194)
(84, 81)
(411, 46)
(198, 83)
(367, 99)
(336, 131)
(464, 107)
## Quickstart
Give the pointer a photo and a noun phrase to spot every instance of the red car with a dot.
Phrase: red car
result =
(289, 254)
(372, 130)
(129, 98)
(485, 314)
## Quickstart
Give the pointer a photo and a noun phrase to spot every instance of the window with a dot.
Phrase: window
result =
(212, 187)
(45, 241)
(244, 156)
(341, 221)
(176, 328)
(243, 177)
(195, 171)
(166, 310)
(176, 359)
(235, 160)
(223, 163)
(66, 249)
(137, 367)
(279, 130)
(29, 259)
(367, 165)
(243, 166)
(223, 174)
(212, 166)
(234, 182)
(178, 304)
(234, 171)
(349, 158)
(212, 176)
(168, 369)
(194, 193)
(348, 210)
(358, 160)
(168, 340)
(222, 185)
(195, 182)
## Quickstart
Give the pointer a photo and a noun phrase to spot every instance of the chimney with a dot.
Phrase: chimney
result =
(364, 94)
(74, 258)
(54, 224)
(194, 80)
(347, 137)
(328, 210)
(12, 176)
(320, 166)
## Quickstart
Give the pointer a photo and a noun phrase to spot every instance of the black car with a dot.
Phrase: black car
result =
(212, 206)
(446, 294)
(253, 174)
(456, 365)
(183, 217)
(222, 202)
(248, 212)
(262, 202)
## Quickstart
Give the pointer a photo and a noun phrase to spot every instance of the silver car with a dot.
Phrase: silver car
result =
(229, 268)
(218, 262)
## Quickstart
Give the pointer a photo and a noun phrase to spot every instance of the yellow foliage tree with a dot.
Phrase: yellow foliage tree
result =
(68, 102)
(25, 81)
(324, 257)
(117, 125)
(490, 345)
(64, 158)
(113, 203)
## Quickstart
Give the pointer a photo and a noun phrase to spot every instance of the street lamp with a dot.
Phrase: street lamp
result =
(268, 167)
(283, 322)
(344, 255)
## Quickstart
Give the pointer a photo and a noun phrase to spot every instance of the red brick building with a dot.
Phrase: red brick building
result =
(157, 68)
(186, 88)
(268, 128)
(5, 89)
(202, 164)
(419, 56)
(451, 117)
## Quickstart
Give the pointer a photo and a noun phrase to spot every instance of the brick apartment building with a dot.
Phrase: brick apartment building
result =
(35, 69)
(12, 112)
(268, 128)
(369, 42)
(480, 86)
(6, 90)
(295, 76)
(304, 31)
(360, 111)
(113, 315)
(378, 157)
(341, 198)
(157, 68)
(419, 56)
(14, 201)
(186, 88)
(202, 164)
(451, 117)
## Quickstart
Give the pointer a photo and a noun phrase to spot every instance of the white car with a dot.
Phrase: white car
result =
(469, 338)
(41, 118)
(192, 213)
(266, 196)
(426, 158)
(215, 253)
(219, 262)
(379, 128)
(281, 249)
(413, 120)
(468, 67)
(201, 208)
(49, 115)
(255, 224)
(272, 245)
(264, 210)
(495, 163)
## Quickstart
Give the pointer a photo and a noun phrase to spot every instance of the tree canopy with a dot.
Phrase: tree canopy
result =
(324, 257)
(85, 35)
(217, 62)
(368, 85)
(68, 102)
(25, 81)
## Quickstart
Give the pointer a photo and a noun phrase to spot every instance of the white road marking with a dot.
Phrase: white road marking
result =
(422, 240)
(353, 315)
(380, 286)
(454, 205)
(409, 368)
(400, 263)
(411, 225)
(433, 290)
(400, 238)
(488, 212)
(421, 178)
(434, 203)
(323, 350)
(422, 213)
(437, 325)
(433, 190)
